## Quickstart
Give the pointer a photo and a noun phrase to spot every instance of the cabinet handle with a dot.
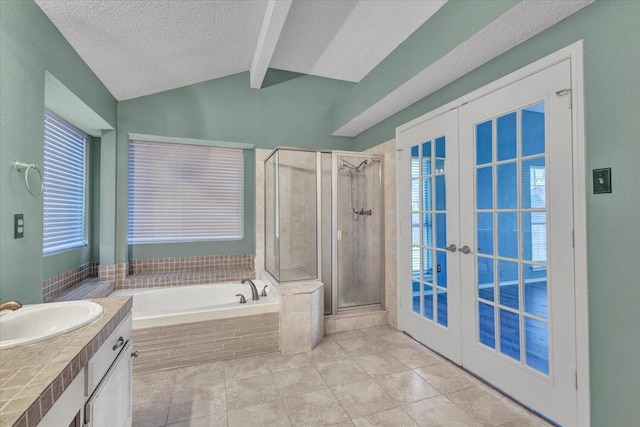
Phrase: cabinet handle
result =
(134, 354)
(119, 344)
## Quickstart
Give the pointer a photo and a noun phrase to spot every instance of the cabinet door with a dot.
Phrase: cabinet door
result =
(110, 404)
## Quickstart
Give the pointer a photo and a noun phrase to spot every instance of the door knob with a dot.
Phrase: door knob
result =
(465, 250)
(451, 248)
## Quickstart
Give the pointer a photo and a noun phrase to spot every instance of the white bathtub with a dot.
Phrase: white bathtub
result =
(195, 303)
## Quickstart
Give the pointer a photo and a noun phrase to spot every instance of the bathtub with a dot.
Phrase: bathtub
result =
(153, 307)
(187, 325)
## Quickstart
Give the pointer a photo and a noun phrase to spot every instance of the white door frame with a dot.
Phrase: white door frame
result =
(575, 53)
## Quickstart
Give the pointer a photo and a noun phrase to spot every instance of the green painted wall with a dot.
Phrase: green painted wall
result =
(292, 110)
(29, 45)
(611, 33)
(455, 22)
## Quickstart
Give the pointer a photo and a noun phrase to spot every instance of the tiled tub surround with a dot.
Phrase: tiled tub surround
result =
(181, 326)
(158, 272)
(301, 313)
(33, 377)
(188, 344)
(57, 285)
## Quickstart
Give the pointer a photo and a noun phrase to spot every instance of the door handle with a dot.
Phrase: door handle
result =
(451, 248)
(465, 250)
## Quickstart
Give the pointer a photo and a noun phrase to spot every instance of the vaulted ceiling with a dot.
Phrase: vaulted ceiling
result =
(141, 47)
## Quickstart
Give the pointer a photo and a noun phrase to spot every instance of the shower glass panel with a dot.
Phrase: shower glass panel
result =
(290, 215)
(359, 230)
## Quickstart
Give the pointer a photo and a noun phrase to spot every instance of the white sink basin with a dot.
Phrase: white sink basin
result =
(38, 322)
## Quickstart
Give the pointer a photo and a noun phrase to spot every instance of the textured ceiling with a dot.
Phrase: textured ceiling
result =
(145, 46)
(345, 40)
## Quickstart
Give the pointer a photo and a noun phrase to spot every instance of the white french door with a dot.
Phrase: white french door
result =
(432, 312)
(509, 285)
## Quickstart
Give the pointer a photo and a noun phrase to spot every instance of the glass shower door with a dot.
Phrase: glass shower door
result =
(358, 234)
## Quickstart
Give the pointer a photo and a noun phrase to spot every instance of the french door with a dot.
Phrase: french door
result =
(503, 240)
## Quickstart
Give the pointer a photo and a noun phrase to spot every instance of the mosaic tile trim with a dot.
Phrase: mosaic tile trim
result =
(33, 377)
(56, 285)
(113, 272)
(157, 280)
(188, 344)
(194, 263)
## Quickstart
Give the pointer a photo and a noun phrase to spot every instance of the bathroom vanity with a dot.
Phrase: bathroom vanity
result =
(80, 378)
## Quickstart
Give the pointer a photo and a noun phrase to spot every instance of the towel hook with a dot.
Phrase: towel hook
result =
(27, 168)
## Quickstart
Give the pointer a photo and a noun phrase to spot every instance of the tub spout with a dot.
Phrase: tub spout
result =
(254, 290)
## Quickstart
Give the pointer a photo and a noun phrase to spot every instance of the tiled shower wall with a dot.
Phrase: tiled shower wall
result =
(388, 150)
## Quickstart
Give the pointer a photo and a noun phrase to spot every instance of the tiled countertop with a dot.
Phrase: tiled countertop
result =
(33, 377)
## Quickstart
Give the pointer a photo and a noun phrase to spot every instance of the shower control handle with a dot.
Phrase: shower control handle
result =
(465, 250)
(451, 248)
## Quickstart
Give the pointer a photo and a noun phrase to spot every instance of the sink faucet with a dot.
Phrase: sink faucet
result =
(254, 290)
(10, 305)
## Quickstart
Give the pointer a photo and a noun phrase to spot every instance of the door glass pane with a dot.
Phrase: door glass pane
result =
(415, 297)
(426, 158)
(426, 196)
(484, 225)
(510, 334)
(484, 188)
(508, 286)
(535, 290)
(507, 186)
(440, 148)
(536, 333)
(442, 307)
(428, 302)
(533, 128)
(427, 230)
(533, 184)
(484, 143)
(486, 325)
(415, 229)
(441, 230)
(415, 162)
(485, 278)
(427, 265)
(441, 268)
(508, 235)
(415, 195)
(507, 136)
(415, 263)
(441, 193)
(534, 236)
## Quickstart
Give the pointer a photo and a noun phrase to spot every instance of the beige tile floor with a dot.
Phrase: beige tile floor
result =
(367, 377)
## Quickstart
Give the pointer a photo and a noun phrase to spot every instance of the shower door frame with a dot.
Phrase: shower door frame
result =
(334, 229)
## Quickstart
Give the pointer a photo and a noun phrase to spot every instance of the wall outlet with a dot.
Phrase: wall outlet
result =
(18, 226)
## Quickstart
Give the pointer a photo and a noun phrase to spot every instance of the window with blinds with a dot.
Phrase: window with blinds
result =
(64, 185)
(183, 192)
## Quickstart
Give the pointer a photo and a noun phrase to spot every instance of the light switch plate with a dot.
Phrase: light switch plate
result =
(602, 181)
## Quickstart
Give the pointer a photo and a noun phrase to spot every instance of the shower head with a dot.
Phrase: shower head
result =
(346, 164)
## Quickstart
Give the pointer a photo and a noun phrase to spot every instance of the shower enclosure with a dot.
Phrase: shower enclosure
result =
(324, 220)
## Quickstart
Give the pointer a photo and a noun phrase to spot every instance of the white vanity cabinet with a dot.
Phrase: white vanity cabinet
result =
(109, 381)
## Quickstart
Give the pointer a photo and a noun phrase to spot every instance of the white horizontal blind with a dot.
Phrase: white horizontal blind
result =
(64, 185)
(183, 192)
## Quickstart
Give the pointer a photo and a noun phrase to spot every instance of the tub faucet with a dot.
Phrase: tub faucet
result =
(10, 305)
(254, 290)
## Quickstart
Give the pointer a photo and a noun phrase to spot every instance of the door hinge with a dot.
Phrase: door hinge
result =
(563, 92)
